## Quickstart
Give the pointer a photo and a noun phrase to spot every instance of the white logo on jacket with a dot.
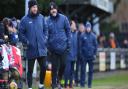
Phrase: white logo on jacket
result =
(30, 22)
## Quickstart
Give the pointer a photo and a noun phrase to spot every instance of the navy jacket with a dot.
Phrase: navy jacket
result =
(79, 44)
(33, 33)
(59, 34)
(88, 45)
(73, 50)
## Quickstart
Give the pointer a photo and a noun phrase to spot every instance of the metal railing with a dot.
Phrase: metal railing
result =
(111, 59)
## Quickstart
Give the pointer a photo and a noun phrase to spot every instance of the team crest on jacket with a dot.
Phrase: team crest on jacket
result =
(85, 38)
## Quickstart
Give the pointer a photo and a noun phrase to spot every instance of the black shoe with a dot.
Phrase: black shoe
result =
(89, 87)
(53, 88)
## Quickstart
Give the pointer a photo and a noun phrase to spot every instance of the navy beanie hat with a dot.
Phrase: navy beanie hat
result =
(52, 5)
(32, 3)
(88, 25)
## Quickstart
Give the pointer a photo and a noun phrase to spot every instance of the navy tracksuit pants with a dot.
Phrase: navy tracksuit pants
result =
(69, 73)
(77, 71)
(83, 72)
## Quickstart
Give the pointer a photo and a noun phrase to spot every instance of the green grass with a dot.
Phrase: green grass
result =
(114, 81)
(118, 79)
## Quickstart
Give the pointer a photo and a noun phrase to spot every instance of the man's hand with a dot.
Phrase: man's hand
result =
(49, 66)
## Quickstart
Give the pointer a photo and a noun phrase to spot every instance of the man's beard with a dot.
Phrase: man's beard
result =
(54, 14)
(34, 14)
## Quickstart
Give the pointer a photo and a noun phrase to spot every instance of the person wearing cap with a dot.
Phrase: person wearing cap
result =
(58, 42)
(88, 52)
(33, 33)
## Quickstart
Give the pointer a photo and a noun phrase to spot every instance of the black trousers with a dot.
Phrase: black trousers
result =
(42, 64)
(58, 67)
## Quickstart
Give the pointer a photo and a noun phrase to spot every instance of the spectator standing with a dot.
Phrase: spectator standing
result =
(71, 58)
(102, 42)
(58, 43)
(88, 52)
(112, 41)
(33, 33)
(125, 43)
(81, 30)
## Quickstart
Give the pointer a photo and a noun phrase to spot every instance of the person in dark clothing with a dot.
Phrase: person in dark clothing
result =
(33, 33)
(78, 61)
(71, 58)
(112, 42)
(125, 43)
(88, 52)
(1, 33)
(102, 42)
(58, 42)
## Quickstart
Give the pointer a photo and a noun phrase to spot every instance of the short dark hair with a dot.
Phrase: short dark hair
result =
(7, 21)
(32, 3)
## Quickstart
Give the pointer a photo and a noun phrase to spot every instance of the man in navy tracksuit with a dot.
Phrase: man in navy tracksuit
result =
(88, 52)
(58, 43)
(71, 58)
(78, 61)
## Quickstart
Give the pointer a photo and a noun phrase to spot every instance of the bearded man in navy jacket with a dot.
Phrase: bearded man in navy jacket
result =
(58, 42)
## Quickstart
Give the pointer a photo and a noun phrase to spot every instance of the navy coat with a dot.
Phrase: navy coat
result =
(59, 34)
(88, 45)
(73, 50)
(33, 33)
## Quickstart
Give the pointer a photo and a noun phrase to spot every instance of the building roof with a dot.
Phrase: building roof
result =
(85, 8)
